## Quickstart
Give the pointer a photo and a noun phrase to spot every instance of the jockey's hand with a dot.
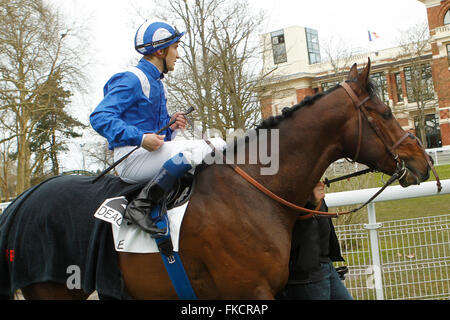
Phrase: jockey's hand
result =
(318, 193)
(152, 141)
(180, 121)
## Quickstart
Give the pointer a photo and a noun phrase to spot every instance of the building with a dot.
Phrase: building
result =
(294, 69)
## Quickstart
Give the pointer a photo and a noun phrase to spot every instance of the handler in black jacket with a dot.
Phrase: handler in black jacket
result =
(314, 247)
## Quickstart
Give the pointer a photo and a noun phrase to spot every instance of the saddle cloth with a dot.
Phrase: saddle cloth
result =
(129, 237)
(51, 227)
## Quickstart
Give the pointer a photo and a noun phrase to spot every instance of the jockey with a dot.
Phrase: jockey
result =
(133, 109)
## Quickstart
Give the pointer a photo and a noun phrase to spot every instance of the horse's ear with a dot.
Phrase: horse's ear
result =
(353, 74)
(364, 76)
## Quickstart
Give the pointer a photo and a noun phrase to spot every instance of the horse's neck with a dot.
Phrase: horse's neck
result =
(309, 142)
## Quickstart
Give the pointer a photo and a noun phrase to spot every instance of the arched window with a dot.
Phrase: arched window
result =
(447, 17)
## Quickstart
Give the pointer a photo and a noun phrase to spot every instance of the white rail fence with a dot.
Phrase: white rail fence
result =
(440, 155)
(3, 206)
(402, 259)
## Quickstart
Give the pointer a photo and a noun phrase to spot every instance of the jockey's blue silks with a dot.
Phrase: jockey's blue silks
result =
(134, 104)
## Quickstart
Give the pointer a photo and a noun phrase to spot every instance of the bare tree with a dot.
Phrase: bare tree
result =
(218, 54)
(6, 170)
(34, 53)
(414, 44)
(233, 53)
(339, 54)
(99, 153)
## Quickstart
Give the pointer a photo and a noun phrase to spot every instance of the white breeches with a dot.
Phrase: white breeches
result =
(143, 165)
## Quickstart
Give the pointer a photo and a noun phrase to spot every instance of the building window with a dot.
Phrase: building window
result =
(328, 85)
(278, 47)
(447, 18)
(448, 53)
(432, 130)
(312, 42)
(380, 80)
(419, 83)
(398, 86)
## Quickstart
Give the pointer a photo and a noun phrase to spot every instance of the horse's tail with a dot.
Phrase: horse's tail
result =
(6, 220)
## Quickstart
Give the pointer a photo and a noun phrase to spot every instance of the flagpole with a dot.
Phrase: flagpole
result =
(371, 41)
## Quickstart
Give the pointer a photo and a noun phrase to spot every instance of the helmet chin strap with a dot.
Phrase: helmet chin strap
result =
(163, 57)
(165, 70)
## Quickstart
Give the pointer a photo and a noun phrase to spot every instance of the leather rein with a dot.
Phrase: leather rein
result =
(398, 174)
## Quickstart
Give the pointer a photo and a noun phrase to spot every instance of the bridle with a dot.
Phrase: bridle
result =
(361, 109)
(401, 169)
(399, 172)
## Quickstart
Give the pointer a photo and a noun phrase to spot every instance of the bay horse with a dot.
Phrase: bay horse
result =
(235, 241)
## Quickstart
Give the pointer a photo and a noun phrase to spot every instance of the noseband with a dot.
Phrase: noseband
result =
(361, 109)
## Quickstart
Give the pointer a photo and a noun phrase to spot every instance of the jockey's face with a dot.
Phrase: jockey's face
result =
(172, 56)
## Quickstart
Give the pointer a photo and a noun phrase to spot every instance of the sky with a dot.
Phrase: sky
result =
(112, 25)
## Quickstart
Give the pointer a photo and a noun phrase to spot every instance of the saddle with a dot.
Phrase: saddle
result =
(113, 209)
(182, 191)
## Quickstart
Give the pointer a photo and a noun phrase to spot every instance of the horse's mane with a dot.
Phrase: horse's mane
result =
(286, 112)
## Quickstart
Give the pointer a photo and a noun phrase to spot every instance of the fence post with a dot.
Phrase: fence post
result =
(372, 226)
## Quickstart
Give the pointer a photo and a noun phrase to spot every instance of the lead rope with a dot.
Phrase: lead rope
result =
(438, 181)
(347, 176)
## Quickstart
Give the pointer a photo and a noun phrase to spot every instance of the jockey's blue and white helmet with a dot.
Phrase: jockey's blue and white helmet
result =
(155, 35)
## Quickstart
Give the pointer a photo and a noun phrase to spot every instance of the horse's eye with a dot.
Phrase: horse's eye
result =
(387, 114)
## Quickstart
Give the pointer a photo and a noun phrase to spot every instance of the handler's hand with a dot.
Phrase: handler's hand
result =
(318, 193)
(152, 141)
(180, 121)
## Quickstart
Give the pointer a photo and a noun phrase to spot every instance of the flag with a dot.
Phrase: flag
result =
(373, 35)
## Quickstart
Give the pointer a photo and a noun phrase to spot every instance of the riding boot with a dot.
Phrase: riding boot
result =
(139, 209)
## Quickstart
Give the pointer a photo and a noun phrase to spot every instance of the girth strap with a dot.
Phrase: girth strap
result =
(438, 181)
(171, 259)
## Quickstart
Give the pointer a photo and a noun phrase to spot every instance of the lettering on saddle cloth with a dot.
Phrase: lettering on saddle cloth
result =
(112, 210)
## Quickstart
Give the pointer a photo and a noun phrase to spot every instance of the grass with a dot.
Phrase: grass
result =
(413, 208)
(413, 258)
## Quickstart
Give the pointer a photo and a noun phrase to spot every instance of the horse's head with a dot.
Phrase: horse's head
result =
(380, 141)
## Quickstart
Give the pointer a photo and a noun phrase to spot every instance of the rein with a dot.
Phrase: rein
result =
(399, 173)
